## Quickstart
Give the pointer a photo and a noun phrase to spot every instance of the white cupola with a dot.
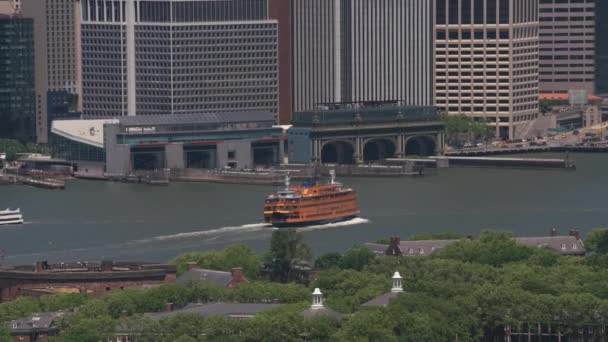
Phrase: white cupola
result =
(317, 299)
(397, 285)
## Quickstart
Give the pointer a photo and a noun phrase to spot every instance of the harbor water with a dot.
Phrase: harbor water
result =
(93, 220)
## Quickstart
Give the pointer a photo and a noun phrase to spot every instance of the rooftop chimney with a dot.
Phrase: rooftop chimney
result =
(394, 248)
(317, 299)
(237, 275)
(41, 266)
(169, 307)
(576, 233)
(397, 285)
(554, 232)
(192, 265)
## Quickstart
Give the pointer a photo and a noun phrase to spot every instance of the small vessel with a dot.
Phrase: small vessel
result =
(8, 216)
(311, 204)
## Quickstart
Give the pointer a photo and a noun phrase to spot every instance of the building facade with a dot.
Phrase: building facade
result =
(17, 111)
(178, 57)
(57, 48)
(486, 55)
(567, 46)
(359, 50)
(601, 41)
(281, 11)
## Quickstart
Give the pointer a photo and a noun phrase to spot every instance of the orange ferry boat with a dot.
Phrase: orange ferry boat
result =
(310, 204)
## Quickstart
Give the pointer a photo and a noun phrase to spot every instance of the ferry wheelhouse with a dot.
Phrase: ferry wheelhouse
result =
(8, 216)
(310, 204)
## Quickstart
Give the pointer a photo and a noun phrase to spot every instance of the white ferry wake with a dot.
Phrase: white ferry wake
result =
(351, 222)
(244, 228)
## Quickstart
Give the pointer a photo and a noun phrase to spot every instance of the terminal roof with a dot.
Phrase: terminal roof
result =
(203, 118)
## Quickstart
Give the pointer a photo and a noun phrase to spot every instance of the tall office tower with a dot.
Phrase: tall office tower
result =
(17, 112)
(281, 11)
(601, 75)
(361, 50)
(486, 60)
(178, 57)
(567, 45)
(57, 53)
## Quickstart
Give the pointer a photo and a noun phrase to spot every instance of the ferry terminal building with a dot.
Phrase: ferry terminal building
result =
(237, 140)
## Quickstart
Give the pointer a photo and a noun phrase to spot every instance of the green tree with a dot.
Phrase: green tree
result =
(357, 257)
(460, 129)
(373, 325)
(289, 257)
(597, 241)
(328, 260)
(545, 105)
(237, 255)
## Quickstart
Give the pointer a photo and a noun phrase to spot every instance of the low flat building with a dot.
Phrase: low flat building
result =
(80, 277)
(570, 244)
(35, 328)
(219, 278)
(235, 140)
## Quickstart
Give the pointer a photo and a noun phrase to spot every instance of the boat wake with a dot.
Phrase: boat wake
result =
(244, 228)
(351, 222)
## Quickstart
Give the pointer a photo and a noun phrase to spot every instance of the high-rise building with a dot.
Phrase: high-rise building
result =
(281, 11)
(361, 50)
(567, 45)
(178, 57)
(601, 75)
(17, 112)
(486, 55)
(57, 50)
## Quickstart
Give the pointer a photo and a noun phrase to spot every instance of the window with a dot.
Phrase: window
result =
(231, 154)
(563, 246)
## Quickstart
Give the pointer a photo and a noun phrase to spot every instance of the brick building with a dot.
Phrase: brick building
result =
(82, 277)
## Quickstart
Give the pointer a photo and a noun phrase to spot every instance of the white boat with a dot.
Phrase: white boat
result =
(10, 217)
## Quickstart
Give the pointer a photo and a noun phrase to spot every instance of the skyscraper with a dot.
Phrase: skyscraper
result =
(361, 50)
(486, 55)
(17, 116)
(601, 76)
(178, 57)
(57, 50)
(567, 45)
(281, 11)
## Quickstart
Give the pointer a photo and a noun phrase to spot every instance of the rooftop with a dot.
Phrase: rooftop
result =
(382, 300)
(37, 321)
(219, 278)
(203, 118)
(564, 97)
(563, 244)
(237, 310)
(89, 132)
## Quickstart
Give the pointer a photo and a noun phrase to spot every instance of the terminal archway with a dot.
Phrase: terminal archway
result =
(338, 152)
(378, 149)
(420, 146)
(148, 158)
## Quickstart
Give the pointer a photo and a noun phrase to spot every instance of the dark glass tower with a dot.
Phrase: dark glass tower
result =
(17, 101)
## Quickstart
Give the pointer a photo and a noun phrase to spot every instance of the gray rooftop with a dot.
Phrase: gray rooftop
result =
(218, 309)
(566, 245)
(413, 248)
(36, 322)
(383, 299)
(323, 311)
(219, 278)
(563, 244)
(203, 118)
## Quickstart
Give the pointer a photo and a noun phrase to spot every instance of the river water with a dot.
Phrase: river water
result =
(94, 220)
